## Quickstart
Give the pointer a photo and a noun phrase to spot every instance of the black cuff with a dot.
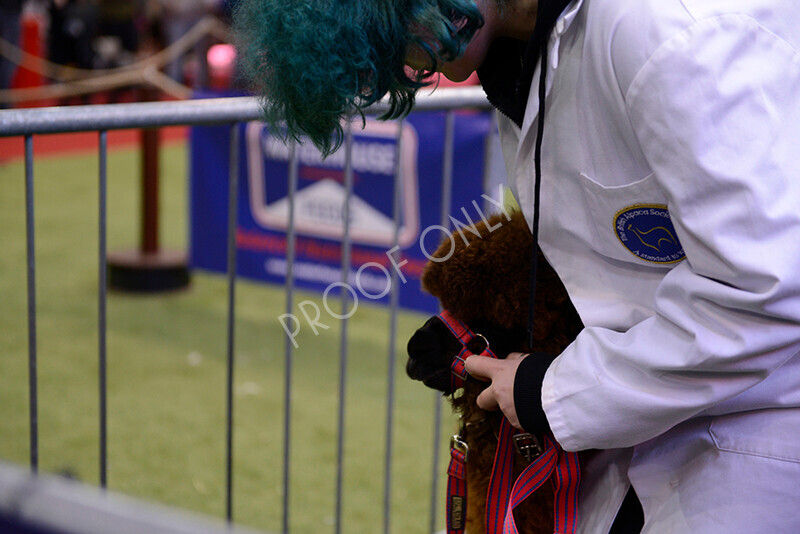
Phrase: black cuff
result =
(528, 392)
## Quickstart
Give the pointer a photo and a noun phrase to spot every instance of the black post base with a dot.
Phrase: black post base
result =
(136, 271)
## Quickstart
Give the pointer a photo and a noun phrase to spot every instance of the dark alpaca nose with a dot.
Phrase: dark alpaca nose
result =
(430, 351)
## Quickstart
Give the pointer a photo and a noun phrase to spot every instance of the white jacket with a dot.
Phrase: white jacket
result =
(670, 207)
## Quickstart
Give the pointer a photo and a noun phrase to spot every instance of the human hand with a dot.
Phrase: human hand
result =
(516, 387)
(500, 393)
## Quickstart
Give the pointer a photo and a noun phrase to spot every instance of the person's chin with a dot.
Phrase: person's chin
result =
(457, 77)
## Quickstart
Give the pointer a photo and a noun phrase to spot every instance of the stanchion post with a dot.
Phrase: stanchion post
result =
(148, 268)
(149, 141)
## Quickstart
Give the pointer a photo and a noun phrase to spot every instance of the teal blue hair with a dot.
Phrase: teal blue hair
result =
(314, 62)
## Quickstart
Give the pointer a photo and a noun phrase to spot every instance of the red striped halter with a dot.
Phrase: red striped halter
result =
(546, 460)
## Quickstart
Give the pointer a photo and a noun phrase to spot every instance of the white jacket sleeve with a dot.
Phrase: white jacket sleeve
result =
(716, 110)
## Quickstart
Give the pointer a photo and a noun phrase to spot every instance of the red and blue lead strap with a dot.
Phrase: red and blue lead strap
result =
(531, 479)
(559, 466)
(459, 329)
(499, 492)
(458, 368)
(456, 492)
(456, 480)
(566, 482)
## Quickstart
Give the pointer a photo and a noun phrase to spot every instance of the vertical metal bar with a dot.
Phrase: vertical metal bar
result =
(393, 306)
(348, 183)
(488, 162)
(287, 406)
(31, 265)
(233, 185)
(447, 167)
(447, 187)
(102, 286)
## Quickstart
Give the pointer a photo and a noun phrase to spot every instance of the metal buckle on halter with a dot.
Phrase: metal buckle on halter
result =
(528, 446)
(457, 443)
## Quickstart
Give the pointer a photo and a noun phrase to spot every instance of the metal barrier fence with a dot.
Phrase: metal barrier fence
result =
(223, 111)
(54, 505)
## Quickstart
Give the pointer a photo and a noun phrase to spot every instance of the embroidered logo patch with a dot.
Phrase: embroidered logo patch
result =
(647, 232)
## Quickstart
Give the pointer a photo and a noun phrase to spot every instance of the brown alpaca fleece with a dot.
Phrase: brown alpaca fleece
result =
(484, 281)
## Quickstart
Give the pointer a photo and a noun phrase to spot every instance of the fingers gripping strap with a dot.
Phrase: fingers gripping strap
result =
(464, 335)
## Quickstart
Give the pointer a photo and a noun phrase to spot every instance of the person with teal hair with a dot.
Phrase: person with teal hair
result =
(654, 148)
(321, 60)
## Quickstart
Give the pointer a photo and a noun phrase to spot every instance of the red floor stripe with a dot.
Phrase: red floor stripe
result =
(83, 142)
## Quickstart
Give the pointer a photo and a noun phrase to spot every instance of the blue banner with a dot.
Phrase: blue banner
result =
(320, 199)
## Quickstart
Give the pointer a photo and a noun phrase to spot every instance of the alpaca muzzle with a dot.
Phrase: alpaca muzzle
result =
(438, 349)
(430, 352)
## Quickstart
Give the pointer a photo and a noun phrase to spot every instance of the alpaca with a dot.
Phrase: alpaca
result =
(484, 282)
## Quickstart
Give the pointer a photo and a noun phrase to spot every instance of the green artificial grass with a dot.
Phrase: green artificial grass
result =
(167, 372)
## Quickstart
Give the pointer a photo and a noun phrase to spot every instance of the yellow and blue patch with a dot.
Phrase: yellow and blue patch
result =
(647, 232)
